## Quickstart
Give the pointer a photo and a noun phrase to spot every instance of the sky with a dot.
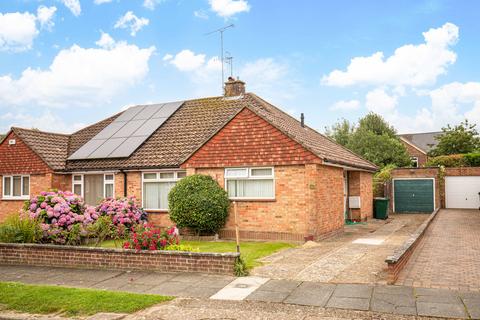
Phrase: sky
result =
(65, 64)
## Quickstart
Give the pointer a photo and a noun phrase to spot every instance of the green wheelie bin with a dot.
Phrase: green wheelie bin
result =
(381, 208)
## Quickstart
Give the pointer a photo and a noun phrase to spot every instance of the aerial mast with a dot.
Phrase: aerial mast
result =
(221, 31)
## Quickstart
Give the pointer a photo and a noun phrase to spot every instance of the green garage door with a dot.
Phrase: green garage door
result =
(415, 195)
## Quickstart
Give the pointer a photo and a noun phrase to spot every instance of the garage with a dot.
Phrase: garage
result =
(462, 192)
(413, 195)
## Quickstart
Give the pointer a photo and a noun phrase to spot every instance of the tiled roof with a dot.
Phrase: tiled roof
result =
(192, 125)
(424, 141)
(51, 147)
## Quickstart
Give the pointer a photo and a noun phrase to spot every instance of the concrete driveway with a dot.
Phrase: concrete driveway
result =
(449, 254)
(356, 256)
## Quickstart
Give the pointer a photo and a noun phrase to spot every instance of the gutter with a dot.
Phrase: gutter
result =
(335, 163)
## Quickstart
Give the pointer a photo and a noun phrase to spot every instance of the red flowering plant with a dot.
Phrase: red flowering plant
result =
(149, 237)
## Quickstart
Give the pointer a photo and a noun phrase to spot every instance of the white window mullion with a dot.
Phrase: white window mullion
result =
(255, 183)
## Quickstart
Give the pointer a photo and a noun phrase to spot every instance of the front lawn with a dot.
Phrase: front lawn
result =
(72, 301)
(251, 251)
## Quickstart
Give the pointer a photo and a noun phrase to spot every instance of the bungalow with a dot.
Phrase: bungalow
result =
(289, 181)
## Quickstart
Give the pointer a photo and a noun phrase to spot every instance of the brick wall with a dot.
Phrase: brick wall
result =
(103, 258)
(249, 140)
(414, 152)
(330, 200)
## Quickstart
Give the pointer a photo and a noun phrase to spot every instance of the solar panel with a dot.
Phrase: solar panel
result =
(127, 132)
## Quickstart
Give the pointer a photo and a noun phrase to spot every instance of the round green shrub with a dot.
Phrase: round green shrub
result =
(199, 203)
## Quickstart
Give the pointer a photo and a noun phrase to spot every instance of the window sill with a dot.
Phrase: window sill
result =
(156, 210)
(253, 200)
(16, 199)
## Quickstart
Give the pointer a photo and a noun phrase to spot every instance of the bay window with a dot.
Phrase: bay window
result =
(156, 186)
(16, 187)
(250, 183)
(94, 187)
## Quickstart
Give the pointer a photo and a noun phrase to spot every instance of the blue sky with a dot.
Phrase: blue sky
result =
(67, 63)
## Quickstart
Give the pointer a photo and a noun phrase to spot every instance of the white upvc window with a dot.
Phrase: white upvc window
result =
(256, 183)
(94, 187)
(16, 187)
(156, 186)
(414, 161)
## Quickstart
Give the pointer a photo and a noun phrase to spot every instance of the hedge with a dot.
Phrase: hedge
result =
(455, 160)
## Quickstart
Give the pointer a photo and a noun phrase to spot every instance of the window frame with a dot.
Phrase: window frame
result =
(249, 176)
(81, 182)
(414, 160)
(157, 179)
(11, 196)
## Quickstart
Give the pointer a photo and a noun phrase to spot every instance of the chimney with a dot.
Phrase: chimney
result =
(234, 87)
(302, 120)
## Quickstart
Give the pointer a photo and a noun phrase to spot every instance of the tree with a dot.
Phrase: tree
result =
(373, 139)
(341, 132)
(462, 138)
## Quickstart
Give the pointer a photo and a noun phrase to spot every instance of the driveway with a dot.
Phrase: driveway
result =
(356, 256)
(449, 254)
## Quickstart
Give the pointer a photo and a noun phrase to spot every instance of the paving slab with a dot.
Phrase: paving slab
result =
(107, 316)
(349, 303)
(311, 294)
(445, 310)
(268, 296)
(240, 288)
(281, 285)
(169, 288)
(398, 290)
(473, 307)
(353, 291)
(393, 303)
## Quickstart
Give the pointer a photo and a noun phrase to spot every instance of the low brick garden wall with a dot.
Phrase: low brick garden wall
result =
(400, 257)
(106, 258)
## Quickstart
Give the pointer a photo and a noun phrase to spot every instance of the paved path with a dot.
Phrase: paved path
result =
(396, 300)
(356, 256)
(449, 255)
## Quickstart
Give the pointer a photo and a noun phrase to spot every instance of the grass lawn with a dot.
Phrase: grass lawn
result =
(251, 251)
(72, 301)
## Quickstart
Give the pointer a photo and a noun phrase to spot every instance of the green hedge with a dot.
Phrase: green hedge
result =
(455, 160)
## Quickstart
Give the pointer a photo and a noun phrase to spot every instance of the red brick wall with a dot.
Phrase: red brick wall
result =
(19, 158)
(248, 140)
(330, 201)
(74, 257)
(414, 152)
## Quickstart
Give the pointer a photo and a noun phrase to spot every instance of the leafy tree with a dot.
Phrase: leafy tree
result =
(373, 139)
(462, 138)
(341, 132)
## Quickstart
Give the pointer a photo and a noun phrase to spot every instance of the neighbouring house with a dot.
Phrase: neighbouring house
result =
(418, 145)
(289, 181)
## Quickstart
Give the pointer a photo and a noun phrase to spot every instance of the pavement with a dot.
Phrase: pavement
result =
(390, 300)
(449, 255)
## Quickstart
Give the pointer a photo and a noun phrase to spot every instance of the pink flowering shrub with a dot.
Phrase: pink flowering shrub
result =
(63, 217)
(123, 211)
(148, 237)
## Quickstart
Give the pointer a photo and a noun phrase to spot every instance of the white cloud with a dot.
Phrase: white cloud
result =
(187, 60)
(345, 105)
(380, 102)
(105, 41)
(228, 8)
(151, 4)
(200, 14)
(102, 1)
(45, 16)
(78, 77)
(42, 121)
(73, 6)
(132, 22)
(17, 31)
(410, 65)
(167, 57)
